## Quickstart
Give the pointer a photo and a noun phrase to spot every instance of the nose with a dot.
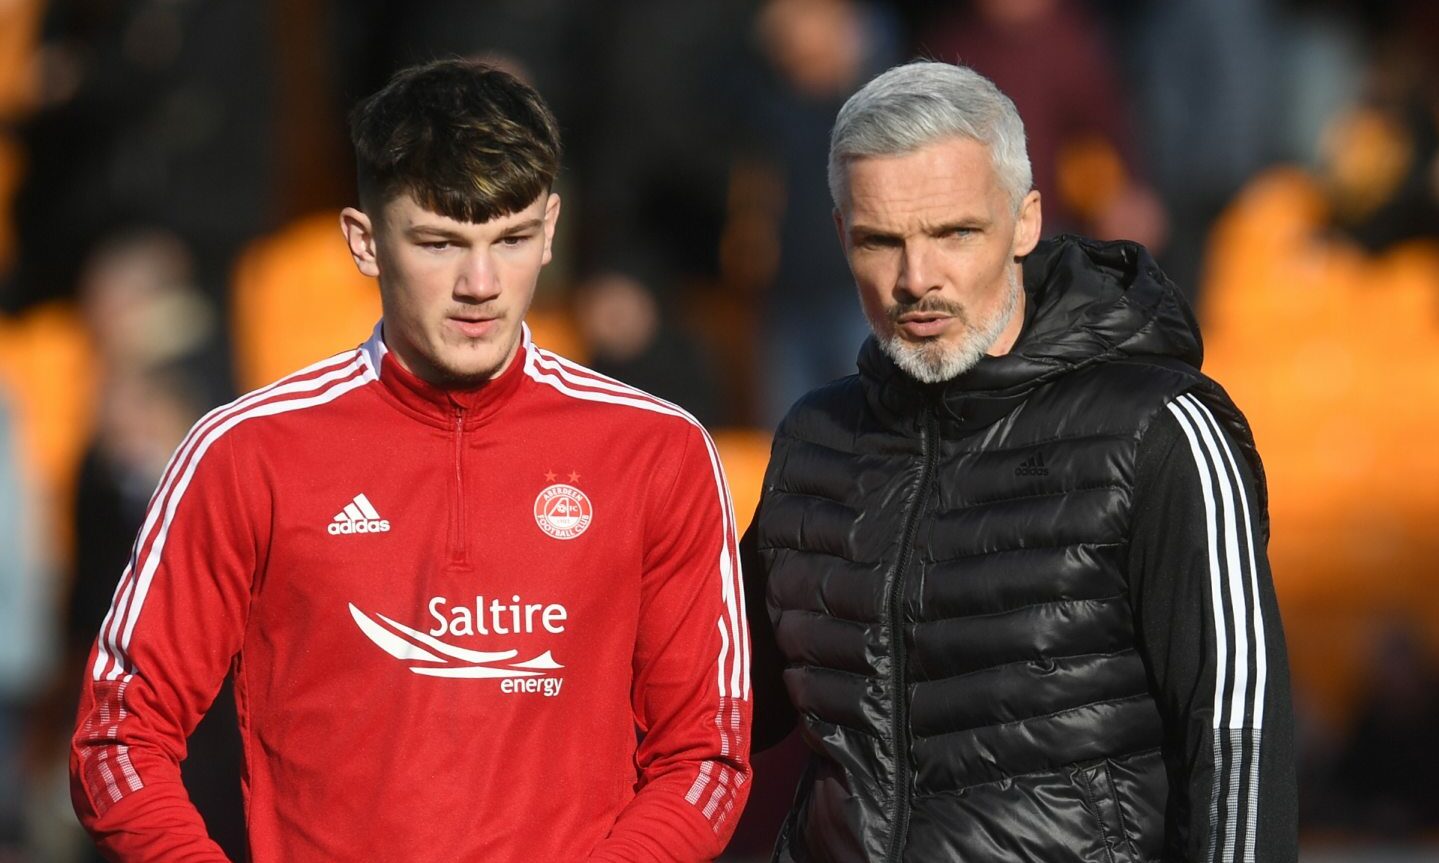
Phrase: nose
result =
(917, 273)
(478, 279)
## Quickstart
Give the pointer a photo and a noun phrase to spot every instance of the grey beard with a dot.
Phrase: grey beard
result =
(933, 362)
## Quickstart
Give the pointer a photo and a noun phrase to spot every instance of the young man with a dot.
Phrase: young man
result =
(454, 574)
(1015, 567)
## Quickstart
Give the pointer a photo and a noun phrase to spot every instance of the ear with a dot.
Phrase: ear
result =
(360, 237)
(840, 232)
(1027, 225)
(552, 217)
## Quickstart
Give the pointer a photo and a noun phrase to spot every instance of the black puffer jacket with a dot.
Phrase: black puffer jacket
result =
(951, 573)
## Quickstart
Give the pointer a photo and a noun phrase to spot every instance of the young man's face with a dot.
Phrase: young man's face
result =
(932, 239)
(453, 293)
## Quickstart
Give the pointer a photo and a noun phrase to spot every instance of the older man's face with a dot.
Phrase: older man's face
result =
(932, 240)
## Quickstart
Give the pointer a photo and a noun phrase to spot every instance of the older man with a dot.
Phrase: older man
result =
(1014, 569)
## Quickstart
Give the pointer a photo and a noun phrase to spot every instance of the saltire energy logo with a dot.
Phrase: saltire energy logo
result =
(437, 658)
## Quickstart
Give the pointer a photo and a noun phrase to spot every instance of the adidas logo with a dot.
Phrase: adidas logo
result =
(1032, 466)
(358, 516)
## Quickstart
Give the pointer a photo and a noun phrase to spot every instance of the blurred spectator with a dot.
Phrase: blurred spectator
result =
(149, 325)
(1310, 66)
(818, 52)
(1050, 57)
(1204, 77)
(138, 298)
(26, 648)
(656, 136)
(1386, 772)
(143, 415)
(629, 336)
(1382, 174)
(1380, 158)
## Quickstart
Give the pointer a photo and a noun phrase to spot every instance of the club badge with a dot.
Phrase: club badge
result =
(563, 511)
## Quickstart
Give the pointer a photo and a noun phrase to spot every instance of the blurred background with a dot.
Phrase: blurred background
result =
(171, 173)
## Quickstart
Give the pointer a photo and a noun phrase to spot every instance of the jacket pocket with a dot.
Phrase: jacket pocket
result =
(1096, 787)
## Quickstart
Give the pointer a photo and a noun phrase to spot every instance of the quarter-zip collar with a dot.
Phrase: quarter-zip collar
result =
(439, 406)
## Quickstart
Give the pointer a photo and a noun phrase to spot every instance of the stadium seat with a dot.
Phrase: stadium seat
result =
(745, 454)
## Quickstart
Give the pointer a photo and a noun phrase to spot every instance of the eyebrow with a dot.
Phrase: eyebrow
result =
(441, 232)
(432, 231)
(867, 232)
(971, 222)
(526, 225)
(974, 223)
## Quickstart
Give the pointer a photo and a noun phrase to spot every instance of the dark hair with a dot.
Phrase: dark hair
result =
(466, 140)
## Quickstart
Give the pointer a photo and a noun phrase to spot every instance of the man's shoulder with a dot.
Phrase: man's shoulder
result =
(1149, 383)
(1144, 394)
(306, 395)
(838, 404)
(587, 396)
(1143, 382)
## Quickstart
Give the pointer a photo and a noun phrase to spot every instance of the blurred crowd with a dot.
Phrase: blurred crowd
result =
(171, 173)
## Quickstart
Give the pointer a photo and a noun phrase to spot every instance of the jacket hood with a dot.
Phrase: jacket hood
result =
(1087, 302)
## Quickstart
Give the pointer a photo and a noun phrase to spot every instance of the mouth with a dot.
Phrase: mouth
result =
(472, 327)
(923, 325)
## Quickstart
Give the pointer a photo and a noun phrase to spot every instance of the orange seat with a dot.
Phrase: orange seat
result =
(19, 34)
(19, 37)
(745, 455)
(298, 298)
(553, 329)
(48, 373)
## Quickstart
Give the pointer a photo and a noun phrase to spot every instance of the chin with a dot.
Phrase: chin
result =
(466, 374)
(933, 361)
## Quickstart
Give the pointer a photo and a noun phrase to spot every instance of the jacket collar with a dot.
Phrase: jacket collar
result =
(443, 407)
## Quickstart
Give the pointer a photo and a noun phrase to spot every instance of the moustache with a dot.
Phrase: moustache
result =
(923, 305)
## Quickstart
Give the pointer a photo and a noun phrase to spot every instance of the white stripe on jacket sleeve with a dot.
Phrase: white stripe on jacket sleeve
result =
(1239, 637)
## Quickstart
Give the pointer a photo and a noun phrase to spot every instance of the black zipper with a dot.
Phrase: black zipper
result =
(929, 447)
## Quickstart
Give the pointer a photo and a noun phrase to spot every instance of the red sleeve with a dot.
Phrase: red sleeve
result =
(173, 629)
(691, 674)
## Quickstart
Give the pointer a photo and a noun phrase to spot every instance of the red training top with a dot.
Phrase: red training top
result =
(450, 616)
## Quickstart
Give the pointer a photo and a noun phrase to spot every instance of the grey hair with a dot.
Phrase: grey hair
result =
(919, 103)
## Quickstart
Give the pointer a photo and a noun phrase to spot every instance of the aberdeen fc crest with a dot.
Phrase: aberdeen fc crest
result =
(563, 511)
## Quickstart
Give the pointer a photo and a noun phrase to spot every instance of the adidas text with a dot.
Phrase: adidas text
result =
(358, 516)
(369, 526)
